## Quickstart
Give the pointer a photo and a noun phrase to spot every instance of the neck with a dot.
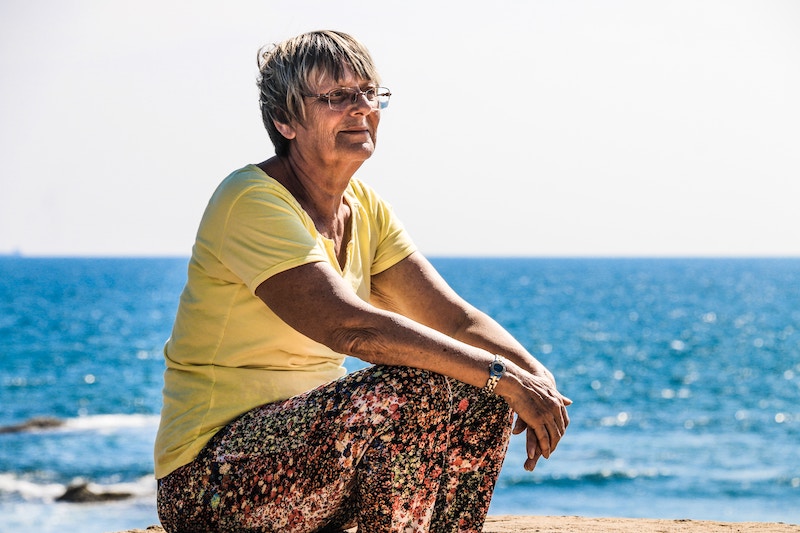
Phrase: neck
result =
(320, 194)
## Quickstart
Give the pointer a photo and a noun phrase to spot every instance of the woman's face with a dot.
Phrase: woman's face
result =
(335, 137)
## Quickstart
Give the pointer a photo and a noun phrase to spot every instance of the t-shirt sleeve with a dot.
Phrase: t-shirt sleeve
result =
(266, 233)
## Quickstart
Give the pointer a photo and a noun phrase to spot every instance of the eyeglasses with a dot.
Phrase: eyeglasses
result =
(343, 97)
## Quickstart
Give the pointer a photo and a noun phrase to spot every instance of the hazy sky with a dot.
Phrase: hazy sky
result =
(515, 128)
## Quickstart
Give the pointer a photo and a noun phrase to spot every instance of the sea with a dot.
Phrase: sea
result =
(684, 372)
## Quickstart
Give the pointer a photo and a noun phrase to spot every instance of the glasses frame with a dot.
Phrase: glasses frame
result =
(355, 93)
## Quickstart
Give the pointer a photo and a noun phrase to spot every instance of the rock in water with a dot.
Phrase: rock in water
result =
(44, 422)
(81, 493)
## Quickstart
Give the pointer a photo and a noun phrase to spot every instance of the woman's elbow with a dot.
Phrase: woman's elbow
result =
(367, 344)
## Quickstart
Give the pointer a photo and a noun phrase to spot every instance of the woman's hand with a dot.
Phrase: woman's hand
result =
(541, 411)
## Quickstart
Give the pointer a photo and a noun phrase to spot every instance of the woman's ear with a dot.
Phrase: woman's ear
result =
(283, 126)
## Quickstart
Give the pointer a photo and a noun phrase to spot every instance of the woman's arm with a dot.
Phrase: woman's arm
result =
(415, 289)
(317, 302)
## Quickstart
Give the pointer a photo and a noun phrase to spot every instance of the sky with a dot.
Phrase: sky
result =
(516, 128)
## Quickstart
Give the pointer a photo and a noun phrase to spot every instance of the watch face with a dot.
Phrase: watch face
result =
(498, 367)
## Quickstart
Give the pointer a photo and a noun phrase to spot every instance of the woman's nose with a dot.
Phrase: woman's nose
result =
(361, 104)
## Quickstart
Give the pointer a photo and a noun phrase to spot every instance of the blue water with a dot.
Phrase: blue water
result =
(685, 375)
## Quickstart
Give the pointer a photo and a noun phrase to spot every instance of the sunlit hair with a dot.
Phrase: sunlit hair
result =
(286, 69)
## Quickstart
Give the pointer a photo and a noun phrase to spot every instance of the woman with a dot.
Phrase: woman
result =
(297, 264)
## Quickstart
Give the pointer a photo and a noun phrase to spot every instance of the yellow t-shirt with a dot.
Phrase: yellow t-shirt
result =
(228, 352)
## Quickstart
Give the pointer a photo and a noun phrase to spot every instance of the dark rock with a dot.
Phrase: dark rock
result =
(44, 422)
(80, 493)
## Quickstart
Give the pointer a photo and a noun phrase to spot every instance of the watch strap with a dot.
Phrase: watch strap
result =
(496, 370)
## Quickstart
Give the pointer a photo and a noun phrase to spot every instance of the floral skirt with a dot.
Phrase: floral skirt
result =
(389, 449)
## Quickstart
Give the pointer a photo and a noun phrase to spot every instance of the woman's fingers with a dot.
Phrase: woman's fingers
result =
(565, 415)
(533, 449)
(545, 440)
(540, 442)
(530, 464)
(544, 432)
(519, 426)
(542, 413)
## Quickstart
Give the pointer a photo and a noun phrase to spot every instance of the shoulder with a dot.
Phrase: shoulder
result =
(249, 191)
(249, 178)
(248, 197)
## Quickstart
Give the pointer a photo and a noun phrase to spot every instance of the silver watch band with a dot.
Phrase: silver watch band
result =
(496, 370)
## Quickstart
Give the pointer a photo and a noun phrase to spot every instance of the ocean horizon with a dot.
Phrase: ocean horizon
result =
(685, 373)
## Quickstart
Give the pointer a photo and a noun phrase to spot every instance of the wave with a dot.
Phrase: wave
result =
(14, 486)
(11, 484)
(116, 421)
(596, 478)
(83, 423)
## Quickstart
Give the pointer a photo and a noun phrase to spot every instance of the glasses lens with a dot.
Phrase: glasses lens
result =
(382, 97)
(340, 99)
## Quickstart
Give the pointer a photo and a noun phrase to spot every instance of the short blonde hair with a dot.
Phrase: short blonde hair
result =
(286, 68)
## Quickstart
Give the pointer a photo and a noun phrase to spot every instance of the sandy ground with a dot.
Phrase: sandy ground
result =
(570, 524)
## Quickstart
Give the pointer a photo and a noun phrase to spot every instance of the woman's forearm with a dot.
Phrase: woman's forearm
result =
(482, 331)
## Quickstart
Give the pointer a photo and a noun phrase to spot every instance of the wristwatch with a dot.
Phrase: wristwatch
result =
(496, 371)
